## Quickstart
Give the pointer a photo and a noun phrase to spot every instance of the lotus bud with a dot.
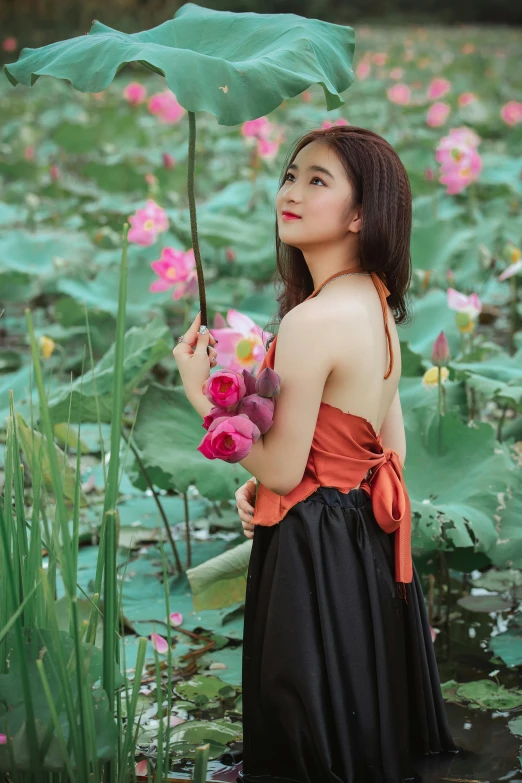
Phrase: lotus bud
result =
(260, 411)
(250, 382)
(440, 353)
(268, 383)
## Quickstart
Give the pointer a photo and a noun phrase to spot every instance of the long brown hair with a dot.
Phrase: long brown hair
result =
(380, 184)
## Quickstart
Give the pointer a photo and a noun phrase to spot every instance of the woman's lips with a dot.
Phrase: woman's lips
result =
(286, 216)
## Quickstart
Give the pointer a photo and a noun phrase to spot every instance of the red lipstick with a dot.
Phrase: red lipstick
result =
(286, 215)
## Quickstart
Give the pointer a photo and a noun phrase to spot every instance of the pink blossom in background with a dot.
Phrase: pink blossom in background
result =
(437, 88)
(380, 58)
(3, 739)
(168, 160)
(437, 114)
(135, 93)
(29, 153)
(363, 70)
(159, 643)
(460, 161)
(165, 106)
(147, 223)
(54, 171)
(230, 254)
(465, 98)
(306, 96)
(176, 618)
(241, 344)
(267, 149)
(511, 112)
(471, 305)
(259, 128)
(10, 44)
(511, 270)
(458, 178)
(327, 124)
(175, 268)
(399, 93)
(396, 73)
(151, 179)
(429, 174)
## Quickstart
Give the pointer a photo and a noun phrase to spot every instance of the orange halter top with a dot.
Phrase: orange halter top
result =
(347, 451)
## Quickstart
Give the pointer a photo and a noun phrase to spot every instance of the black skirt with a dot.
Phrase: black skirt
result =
(340, 680)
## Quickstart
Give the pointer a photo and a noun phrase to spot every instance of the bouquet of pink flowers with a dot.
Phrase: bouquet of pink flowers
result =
(244, 410)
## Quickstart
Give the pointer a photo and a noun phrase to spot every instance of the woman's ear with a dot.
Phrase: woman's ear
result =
(356, 222)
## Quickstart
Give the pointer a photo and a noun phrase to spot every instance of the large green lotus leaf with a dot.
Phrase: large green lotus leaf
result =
(91, 394)
(433, 245)
(460, 486)
(508, 549)
(45, 254)
(168, 432)
(221, 581)
(237, 66)
(431, 316)
(500, 367)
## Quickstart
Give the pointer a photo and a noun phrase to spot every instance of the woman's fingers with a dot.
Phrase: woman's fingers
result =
(244, 508)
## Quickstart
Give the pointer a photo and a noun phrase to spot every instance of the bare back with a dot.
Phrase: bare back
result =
(359, 387)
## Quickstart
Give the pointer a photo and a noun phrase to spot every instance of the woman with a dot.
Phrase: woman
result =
(340, 682)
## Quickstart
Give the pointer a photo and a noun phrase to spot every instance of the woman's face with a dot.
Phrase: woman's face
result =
(319, 198)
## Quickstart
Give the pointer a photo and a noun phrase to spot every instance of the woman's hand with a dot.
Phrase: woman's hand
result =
(245, 496)
(194, 365)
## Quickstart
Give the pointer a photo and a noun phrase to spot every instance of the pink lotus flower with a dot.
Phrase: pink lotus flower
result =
(165, 106)
(267, 149)
(259, 409)
(465, 98)
(230, 254)
(159, 643)
(229, 438)
(29, 153)
(10, 44)
(175, 268)
(471, 305)
(511, 112)
(514, 269)
(168, 160)
(327, 124)
(363, 70)
(460, 161)
(437, 88)
(440, 353)
(224, 388)
(147, 223)
(459, 177)
(54, 171)
(429, 174)
(3, 739)
(399, 93)
(437, 114)
(396, 73)
(515, 257)
(434, 632)
(380, 58)
(306, 96)
(259, 128)
(151, 179)
(242, 344)
(176, 618)
(135, 93)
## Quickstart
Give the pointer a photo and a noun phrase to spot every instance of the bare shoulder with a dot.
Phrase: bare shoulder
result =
(339, 323)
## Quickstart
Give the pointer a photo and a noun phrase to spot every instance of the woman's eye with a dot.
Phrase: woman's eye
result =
(291, 175)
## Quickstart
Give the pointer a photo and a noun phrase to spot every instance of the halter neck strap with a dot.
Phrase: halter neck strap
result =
(383, 295)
